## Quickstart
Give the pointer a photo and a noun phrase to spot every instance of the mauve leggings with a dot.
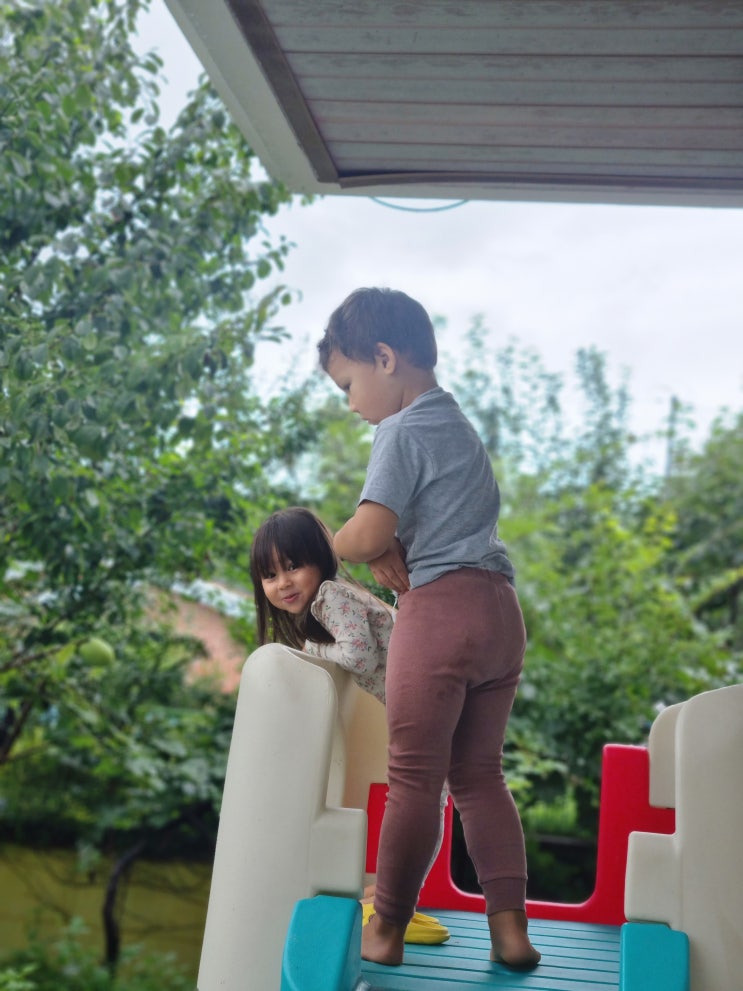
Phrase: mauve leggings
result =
(454, 662)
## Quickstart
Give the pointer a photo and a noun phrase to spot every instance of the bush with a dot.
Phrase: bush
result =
(17, 978)
(68, 964)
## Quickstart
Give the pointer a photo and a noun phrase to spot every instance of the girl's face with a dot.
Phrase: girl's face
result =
(291, 588)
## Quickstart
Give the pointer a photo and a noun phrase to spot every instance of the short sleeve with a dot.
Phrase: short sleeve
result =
(398, 466)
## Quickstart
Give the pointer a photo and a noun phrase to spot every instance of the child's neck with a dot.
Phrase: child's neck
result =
(417, 381)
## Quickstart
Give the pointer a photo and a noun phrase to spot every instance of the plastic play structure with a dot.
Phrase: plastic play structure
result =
(292, 856)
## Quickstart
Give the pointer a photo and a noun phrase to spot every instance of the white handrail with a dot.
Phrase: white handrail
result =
(278, 839)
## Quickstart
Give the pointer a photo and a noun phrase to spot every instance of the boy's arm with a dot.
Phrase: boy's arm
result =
(369, 537)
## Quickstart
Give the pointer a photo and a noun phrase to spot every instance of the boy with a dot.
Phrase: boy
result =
(426, 524)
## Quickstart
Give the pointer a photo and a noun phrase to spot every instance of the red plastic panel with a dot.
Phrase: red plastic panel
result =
(624, 809)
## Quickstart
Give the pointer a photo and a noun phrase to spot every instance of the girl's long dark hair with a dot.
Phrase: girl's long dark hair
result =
(290, 535)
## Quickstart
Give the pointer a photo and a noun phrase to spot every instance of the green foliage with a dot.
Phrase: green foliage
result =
(611, 638)
(138, 752)
(518, 408)
(126, 346)
(132, 444)
(125, 759)
(134, 448)
(560, 869)
(17, 978)
(68, 964)
(559, 818)
(706, 494)
(515, 404)
(336, 466)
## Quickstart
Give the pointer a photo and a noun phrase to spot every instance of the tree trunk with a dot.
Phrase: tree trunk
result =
(111, 911)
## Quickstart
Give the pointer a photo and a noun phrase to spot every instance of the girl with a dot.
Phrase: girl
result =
(301, 602)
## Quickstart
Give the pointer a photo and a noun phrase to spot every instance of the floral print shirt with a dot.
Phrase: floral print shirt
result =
(361, 625)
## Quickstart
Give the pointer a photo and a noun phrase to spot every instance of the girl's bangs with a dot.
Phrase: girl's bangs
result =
(280, 543)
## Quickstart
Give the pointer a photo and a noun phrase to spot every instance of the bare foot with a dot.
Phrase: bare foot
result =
(510, 942)
(381, 942)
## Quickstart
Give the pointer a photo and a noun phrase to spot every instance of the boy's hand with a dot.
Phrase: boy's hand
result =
(369, 536)
(390, 570)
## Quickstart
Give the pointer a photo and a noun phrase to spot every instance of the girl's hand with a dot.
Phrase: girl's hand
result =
(390, 570)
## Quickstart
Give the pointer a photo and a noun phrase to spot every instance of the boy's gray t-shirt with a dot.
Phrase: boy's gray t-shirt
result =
(429, 467)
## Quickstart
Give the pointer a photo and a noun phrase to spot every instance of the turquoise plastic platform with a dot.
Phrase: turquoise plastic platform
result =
(575, 957)
(321, 954)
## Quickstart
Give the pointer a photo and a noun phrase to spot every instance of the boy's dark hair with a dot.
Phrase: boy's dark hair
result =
(386, 316)
(290, 535)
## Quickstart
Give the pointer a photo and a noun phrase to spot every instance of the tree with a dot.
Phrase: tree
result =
(705, 493)
(518, 407)
(335, 467)
(131, 439)
(139, 754)
(610, 637)
(514, 403)
(134, 449)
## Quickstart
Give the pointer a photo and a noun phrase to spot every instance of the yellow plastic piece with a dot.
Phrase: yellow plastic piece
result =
(423, 930)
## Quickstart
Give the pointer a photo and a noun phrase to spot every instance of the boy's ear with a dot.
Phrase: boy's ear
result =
(386, 356)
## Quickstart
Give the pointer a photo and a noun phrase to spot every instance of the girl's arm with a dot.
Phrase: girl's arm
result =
(347, 618)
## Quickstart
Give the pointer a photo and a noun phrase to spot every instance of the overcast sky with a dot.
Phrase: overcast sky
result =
(658, 289)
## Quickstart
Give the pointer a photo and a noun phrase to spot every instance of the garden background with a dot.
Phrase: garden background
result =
(140, 286)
